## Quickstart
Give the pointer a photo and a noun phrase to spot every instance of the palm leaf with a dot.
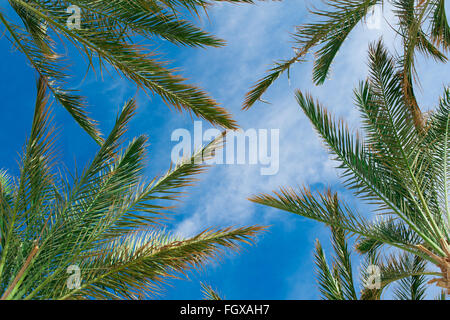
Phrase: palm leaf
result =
(104, 222)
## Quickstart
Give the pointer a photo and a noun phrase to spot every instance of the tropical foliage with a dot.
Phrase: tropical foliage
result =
(111, 33)
(392, 164)
(421, 24)
(209, 293)
(106, 223)
(377, 272)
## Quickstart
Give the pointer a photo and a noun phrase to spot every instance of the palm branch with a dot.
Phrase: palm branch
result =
(105, 222)
(209, 293)
(402, 170)
(406, 273)
(336, 21)
(110, 34)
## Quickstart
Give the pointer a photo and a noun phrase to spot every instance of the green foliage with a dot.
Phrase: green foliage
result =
(209, 293)
(335, 22)
(107, 221)
(111, 33)
(405, 272)
(401, 169)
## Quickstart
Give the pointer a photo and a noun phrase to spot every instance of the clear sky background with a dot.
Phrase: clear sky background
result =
(280, 265)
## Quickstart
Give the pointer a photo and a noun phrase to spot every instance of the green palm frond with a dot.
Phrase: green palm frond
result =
(342, 261)
(393, 164)
(331, 33)
(437, 139)
(325, 37)
(209, 293)
(371, 288)
(338, 284)
(110, 33)
(273, 74)
(329, 284)
(316, 207)
(5, 182)
(440, 28)
(105, 222)
(407, 272)
(412, 287)
(46, 62)
(328, 34)
(134, 264)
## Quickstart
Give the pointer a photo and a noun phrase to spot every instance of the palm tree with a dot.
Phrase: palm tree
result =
(402, 170)
(99, 234)
(422, 26)
(109, 33)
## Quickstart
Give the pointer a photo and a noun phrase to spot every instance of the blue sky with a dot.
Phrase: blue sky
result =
(280, 266)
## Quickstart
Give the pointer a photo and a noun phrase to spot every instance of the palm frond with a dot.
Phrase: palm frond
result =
(329, 285)
(335, 21)
(342, 266)
(209, 293)
(133, 266)
(103, 223)
(109, 32)
(440, 28)
(413, 287)
(400, 168)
